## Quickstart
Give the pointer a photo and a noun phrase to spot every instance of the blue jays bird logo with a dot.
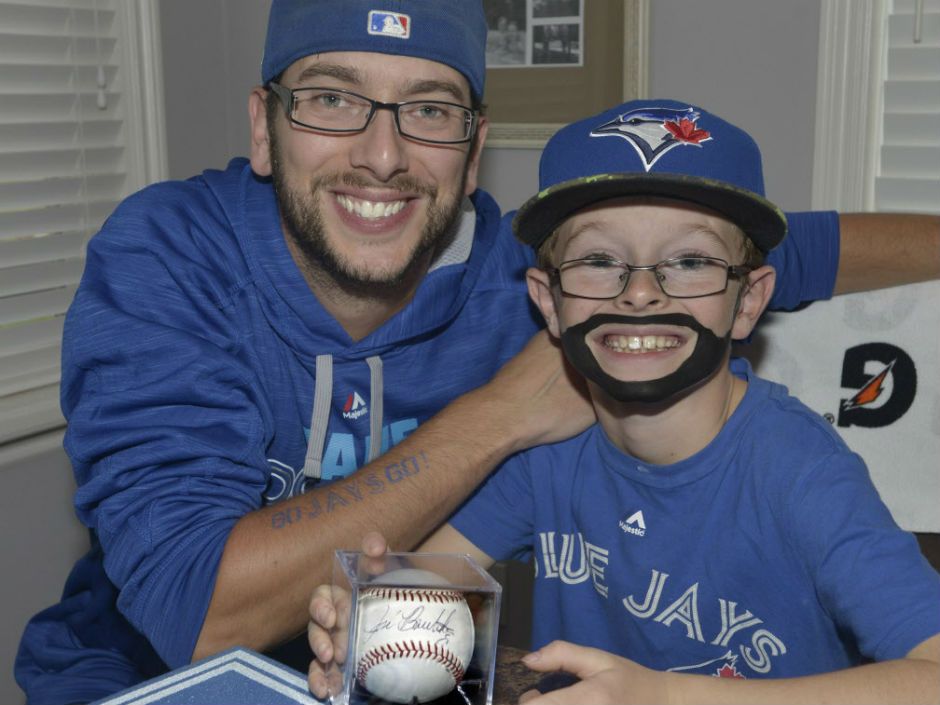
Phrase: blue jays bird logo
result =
(654, 131)
(725, 666)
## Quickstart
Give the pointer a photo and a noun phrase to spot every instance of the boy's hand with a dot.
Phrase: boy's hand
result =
(605, 679)
(328, 628)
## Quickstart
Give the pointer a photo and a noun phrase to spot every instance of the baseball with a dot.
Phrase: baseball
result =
(414, 643)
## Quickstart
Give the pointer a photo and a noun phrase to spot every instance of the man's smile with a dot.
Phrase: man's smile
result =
(376, 213)
(370, 210)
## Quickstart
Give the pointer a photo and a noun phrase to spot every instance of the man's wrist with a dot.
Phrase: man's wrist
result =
(487, 419)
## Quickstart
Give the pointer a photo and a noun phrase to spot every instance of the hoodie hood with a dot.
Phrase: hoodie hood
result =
(295, 313)
(308, 329)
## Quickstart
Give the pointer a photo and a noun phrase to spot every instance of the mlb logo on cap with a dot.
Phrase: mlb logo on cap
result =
(389, 24)
(665, 148)
(450, 32)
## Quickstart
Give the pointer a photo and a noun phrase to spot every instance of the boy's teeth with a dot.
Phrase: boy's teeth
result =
(641, 343)
(370, 209)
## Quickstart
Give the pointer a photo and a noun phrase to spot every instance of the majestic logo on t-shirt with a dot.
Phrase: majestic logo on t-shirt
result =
(634, 524)
(886, 382)
(354, 407)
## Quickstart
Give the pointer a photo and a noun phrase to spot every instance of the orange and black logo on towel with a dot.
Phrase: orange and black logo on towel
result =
(883, 397)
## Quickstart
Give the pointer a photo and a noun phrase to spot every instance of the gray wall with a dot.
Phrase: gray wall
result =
(754, 63)
(751, 61)
(41, 539)
(211, 59)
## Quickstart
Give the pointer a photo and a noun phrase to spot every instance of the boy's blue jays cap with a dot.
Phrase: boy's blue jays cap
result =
(652, 148)
(451, 32)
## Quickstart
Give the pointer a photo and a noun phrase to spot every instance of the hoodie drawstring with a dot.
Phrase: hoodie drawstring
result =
(375, 407)
(320, 416)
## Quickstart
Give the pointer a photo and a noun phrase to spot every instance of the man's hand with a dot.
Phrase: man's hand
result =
(606, 679)
(327, 633)
(544, 397)
(328, 628)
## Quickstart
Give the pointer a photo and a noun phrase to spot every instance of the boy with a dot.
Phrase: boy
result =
(708, 523)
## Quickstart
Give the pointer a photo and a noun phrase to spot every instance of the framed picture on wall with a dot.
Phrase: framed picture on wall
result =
(550, 62)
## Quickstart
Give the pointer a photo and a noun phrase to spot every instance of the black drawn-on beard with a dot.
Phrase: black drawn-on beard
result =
(707, 356)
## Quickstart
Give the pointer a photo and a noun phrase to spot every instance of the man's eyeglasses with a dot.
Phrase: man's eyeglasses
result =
(679, 277)
(335, 110)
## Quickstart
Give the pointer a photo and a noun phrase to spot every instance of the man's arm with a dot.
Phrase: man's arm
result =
(878, 250)
(606, 678)
(276, 556)
(826, 253)
(448, 540)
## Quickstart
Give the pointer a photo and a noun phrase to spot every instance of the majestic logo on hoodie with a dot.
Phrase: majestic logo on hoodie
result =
(354, 407)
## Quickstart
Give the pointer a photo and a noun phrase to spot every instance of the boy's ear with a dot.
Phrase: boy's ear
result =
(260, 155)
(758, 288)
(540, 291)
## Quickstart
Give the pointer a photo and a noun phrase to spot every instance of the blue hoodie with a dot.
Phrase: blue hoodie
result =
(192, 356)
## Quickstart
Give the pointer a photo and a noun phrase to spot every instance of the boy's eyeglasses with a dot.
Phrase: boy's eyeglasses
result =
(679, 277)
(335, 110)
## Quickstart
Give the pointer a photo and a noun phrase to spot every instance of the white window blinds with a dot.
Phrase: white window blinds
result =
(73, 110)
(908, 177)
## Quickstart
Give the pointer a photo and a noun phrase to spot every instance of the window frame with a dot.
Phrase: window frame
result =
(35, 410)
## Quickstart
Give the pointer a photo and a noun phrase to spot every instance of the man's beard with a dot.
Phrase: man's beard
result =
(303, 218)
(705, 359)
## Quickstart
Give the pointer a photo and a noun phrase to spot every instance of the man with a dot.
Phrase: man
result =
(250, 334)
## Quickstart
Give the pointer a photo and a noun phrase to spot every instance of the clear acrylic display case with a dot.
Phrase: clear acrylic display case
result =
(358, 579)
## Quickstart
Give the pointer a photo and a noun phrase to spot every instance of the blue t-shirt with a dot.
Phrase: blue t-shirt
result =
(767, 554)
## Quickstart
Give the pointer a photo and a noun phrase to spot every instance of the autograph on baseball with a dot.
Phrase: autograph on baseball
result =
(424, 622)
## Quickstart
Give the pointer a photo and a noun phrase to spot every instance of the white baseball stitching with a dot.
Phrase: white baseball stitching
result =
(422, 595)
(401, 649)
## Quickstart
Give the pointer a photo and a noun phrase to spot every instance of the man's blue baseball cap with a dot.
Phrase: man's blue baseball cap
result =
(451, 32)
(652, 148)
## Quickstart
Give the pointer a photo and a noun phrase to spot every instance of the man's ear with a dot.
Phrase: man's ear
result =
(758, 288)
(260, 144)
(540, 291)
